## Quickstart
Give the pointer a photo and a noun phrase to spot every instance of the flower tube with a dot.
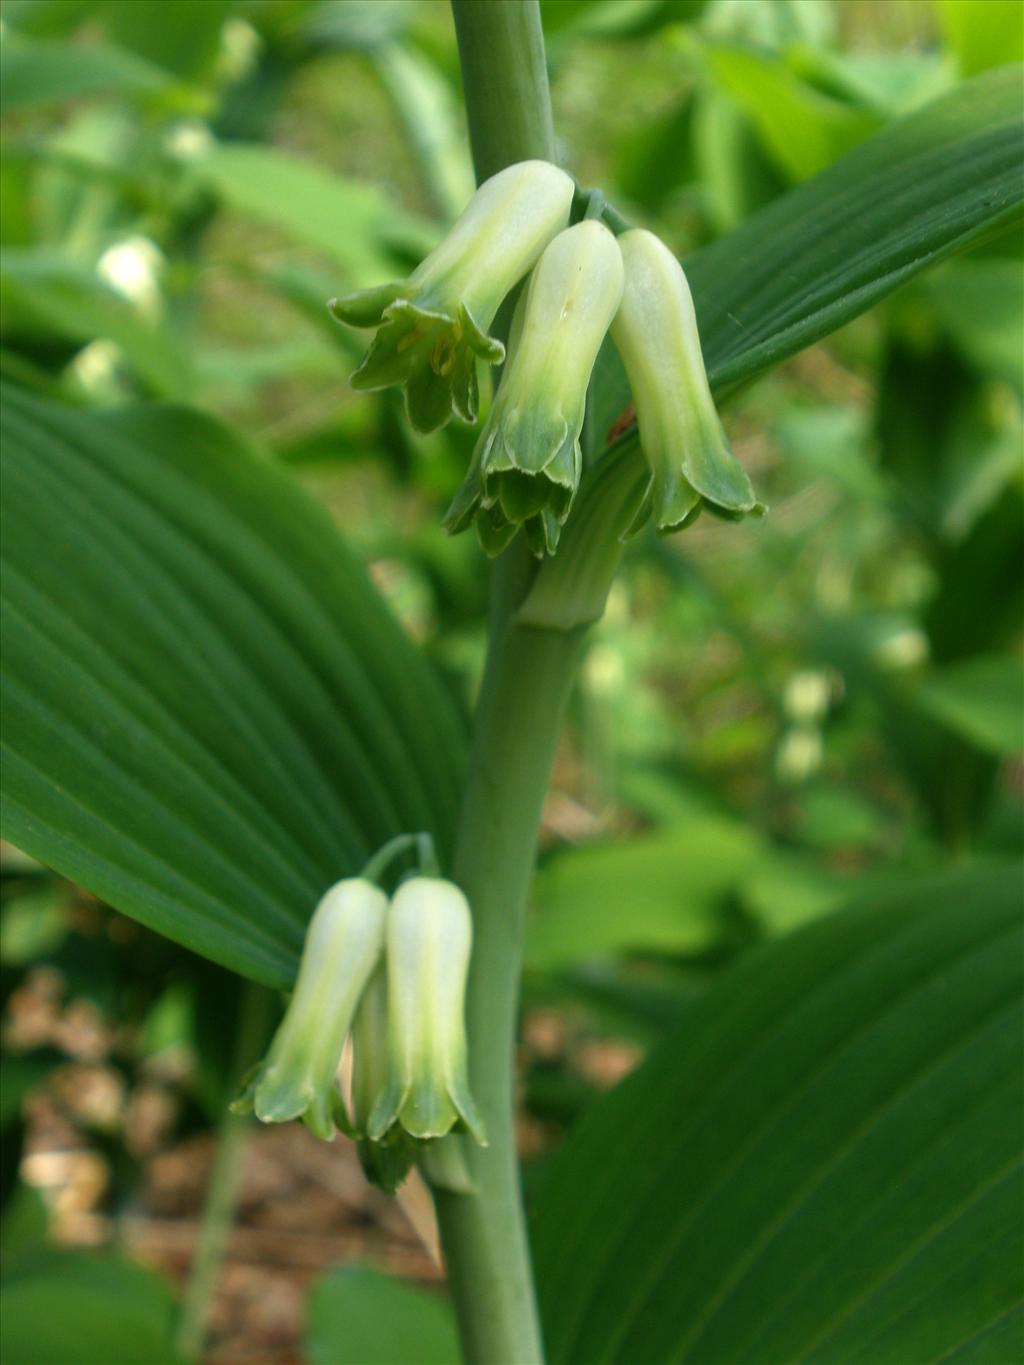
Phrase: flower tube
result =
(434, 326)
(527, 463)
(429, 938)
(655, 332)
(344, 943)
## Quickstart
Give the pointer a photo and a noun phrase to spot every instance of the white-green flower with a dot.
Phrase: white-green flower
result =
(681, 435)
(386, 1163)
(344, 944)
(527, 463)
(433, 327)
(429, 939)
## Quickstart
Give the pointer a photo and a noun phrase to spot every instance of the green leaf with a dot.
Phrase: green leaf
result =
(209, 714)
(357, 1316)
(35, 73)
(982, 33)
(803, 129)
(820, 1164)
(351, 221)
(659, 892)
(924, 187)
(79, 1308)
(982, 699)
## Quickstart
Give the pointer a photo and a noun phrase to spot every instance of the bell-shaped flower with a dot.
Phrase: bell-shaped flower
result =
(344, 944)
(433, 327)
(527, 463)
(385, 1163)
(681, 435)
(429, 939)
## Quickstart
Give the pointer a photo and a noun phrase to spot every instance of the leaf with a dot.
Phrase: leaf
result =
(357, 1316)
(803, 129)
(34, 73)
(79, 1308)
(924, 187)
(209, 714)
(982, 699)
(349, 220)
(659, 892)
(819, 1164)
(982, 33)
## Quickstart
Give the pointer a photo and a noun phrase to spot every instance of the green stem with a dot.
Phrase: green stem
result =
(527, 679)
(225, 1179)
(529, 675)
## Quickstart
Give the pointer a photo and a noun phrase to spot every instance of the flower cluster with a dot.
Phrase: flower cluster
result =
(583, 282)
(390, 976)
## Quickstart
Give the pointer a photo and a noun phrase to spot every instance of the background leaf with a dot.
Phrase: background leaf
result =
(981, 698)
(926, 186)
(820, 1163)
(210, 715)
(357, 1316)
(80, 1308)
(659, 892)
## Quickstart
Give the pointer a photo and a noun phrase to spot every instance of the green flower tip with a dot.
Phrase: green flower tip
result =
(344, 942)
(655, 331)
(434, 326)
(527, 463)
(429, 939)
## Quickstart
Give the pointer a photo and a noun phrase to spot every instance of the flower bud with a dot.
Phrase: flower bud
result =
(434, 325)
(429, 937)
(527, 463)
(681, 436)
(344, 943)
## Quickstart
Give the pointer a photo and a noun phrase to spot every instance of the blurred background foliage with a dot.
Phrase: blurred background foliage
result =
(771, 715)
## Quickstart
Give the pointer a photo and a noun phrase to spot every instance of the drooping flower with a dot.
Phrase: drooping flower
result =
(344, 944)
(387, 1162)
(655, 332)
(433, 327)
(429, 939)
(527, 463)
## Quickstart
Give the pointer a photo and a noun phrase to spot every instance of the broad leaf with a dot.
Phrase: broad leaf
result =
(357, 1316)
(209, 714)
(820, 1164)
(923, 188)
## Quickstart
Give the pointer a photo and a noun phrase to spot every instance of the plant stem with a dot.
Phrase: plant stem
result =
(225, 1180)
(504, 82)
(527, 679)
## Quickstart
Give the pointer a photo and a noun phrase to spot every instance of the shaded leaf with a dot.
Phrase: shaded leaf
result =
(820, 1164)
(982, 699)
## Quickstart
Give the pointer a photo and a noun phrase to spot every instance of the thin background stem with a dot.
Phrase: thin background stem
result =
(527, 679)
